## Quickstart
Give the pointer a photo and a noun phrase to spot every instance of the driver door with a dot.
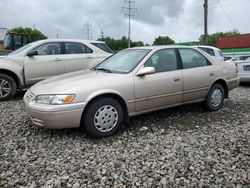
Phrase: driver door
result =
(164, 87)
(48, 62)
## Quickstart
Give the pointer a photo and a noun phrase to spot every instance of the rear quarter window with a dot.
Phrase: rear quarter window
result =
(208, 50)
(103, 47)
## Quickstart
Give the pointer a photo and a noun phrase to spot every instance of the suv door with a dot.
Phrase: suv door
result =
(77, 56)
(164, 88)
(198, 75)
(48, 62)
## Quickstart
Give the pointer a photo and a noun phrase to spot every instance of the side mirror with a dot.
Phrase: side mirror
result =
(32, 53)
(146, 71)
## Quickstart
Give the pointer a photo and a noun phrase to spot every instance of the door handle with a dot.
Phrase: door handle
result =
(89, 57)
(58, 59)
(211, 73)
(177, 79)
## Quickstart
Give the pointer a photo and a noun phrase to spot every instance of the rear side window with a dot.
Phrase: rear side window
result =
(53, 48)
(208, 50)
(103, 47)
(191, 59)
(76, 48)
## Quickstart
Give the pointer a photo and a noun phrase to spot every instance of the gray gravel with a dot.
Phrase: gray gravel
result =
(180, 147)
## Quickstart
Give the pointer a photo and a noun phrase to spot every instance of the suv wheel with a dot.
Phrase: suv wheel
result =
(215, 98)
(7, 87)
(103, 117)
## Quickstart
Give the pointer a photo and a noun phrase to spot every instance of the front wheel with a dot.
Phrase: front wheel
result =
(103, 117)
(215, 98)
(7, 87)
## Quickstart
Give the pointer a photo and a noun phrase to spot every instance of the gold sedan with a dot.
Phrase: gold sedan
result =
(131, 82)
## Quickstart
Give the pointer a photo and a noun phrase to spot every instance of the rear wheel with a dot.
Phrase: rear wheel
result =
(215, 98)
(103, 117)
(7, 87)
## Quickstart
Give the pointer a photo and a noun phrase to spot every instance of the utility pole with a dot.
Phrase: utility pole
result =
(88, 28)
(205, 22)
(129, 9)
(102, 34)
(57, 36)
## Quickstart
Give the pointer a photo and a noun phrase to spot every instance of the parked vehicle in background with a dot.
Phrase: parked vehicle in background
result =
(240, 57)
(228, 58)
(244, 70)
(42, 59)
(10, 41)
(213, 51)
(132, 82)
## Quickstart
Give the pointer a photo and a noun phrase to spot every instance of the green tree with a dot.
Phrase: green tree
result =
(137, 44)
(119, 44)
(34, 34)
(213, 38)
(163, 40)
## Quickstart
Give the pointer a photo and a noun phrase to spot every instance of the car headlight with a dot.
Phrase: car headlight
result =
(55, 99)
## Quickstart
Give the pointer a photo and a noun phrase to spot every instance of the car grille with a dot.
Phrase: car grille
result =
(29, 95)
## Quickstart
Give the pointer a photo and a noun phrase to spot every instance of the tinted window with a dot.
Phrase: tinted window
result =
(52, 48)
(163, 60)
(103, 47)
(76, 48)
(191, 58)
(208, 50)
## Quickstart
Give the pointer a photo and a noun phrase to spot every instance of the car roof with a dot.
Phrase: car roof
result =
(204, 46)
(71, 40)
(161, 47)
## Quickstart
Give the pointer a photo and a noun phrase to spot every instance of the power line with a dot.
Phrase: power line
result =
(228, 17)
(128, 12)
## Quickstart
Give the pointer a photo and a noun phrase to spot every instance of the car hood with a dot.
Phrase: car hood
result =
(75, 82)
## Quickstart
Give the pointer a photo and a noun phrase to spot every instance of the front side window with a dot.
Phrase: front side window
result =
(53, 48)
(76, 48)
(124, 61)
(191, 58)
(163, 60)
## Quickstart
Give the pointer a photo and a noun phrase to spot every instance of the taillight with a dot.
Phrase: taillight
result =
(236, 68)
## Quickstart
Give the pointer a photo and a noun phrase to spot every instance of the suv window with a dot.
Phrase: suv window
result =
(103, 47)
(191, 59)
(76, 48)
(163, 60)
(208, 50)
(52, 48)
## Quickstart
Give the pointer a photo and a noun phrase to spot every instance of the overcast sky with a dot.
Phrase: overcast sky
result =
(181, 20)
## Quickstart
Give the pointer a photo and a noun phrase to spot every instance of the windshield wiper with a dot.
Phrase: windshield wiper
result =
(103, 69)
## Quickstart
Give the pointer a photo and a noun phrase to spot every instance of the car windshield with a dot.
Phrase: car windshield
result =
(123, 62)
(21, 49)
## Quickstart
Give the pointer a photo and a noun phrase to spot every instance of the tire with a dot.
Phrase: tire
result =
(215, 98)
(7, 87)
(103, 117)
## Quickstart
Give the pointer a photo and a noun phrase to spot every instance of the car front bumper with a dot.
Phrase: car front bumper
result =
(55, 116)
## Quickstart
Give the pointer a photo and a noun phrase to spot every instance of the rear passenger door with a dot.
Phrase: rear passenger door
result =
(77, 56)
(198, 74)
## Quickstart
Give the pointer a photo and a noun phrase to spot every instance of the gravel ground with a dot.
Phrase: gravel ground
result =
(180, 147)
